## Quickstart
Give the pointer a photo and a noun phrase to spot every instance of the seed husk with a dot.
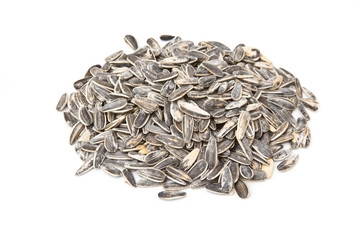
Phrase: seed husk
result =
(193, 110)
(190, 159)
(268, 169)
(132, 142)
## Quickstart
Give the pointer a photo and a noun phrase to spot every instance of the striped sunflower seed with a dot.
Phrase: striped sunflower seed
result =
(186, 115)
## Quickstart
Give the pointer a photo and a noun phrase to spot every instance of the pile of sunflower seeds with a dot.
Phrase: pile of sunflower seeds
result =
(188, 116)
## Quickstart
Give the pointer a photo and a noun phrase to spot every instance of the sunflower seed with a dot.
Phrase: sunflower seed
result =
(129, 177)
(99, 119)
(213, 69)
(211, 154)
(99, 155)
(259, 175)
(166, 37)
(153, 43)
(152, 174)
(114, 105)
(85, 116)
(141, 119)
(236, 93)
(133, 141)
(117, 155)
(179, 93)
(241, 189)
(170, 161)
(262, 148)
(70, 119)
(172, 186)
(171, 114)
(216, 188)
(155, 156)
(188, 128)
(171, 141)
(226, 181)
(282, 154)
(76, 132)
(246, 172)
(242, 124)
(144, 183)
(111, 170)
(146, 104)
(198, 169)
(111, 142)
(86, 167)
(171, 195)
(131, 41)
(177, 173)
(176, 180)
(288, 163)
(235, 171)
(245, 146)
(62, 102)
(282, 128)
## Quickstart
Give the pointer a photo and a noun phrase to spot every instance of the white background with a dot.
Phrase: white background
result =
(46, 45)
